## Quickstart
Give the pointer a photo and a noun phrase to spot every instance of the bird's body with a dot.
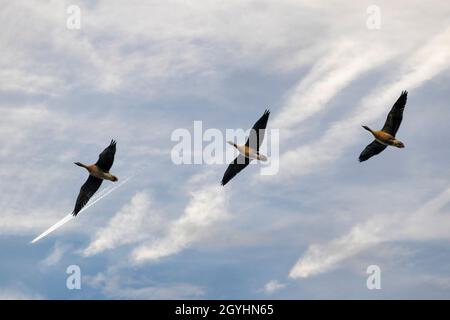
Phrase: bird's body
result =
(97, 173)
(249, 151)
(386, 136)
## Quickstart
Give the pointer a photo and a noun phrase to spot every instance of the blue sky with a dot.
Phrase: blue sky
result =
(138, 70)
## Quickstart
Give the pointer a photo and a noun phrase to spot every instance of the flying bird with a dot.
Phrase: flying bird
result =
(386, 136)
(97, 173)
(249, 151)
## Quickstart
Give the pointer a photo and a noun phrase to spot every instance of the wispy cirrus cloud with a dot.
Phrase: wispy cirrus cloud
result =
(345, 63)
(426, 223)
(273, 286)
(206, 207)
(137, 221)
(56, 255)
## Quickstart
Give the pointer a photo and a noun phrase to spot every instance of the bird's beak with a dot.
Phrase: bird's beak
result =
(230, 143)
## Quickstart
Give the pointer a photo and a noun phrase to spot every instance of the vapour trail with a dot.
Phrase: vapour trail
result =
(69, 217)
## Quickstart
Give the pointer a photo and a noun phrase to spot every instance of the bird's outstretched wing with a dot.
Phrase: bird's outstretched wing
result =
(88, 189)
(395, 116)
(106, 158)
(371, 150)
(234, 168)
(258, 131)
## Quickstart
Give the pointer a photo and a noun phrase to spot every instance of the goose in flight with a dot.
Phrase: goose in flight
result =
(249, 151)
(386, 136)
(97, 173)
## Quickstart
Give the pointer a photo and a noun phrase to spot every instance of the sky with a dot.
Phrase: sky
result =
(136, 71)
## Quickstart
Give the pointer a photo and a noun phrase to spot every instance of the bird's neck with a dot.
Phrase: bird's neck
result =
(88, 168)
(368, 129)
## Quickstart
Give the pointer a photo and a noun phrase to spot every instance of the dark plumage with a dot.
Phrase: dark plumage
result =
(106, 158)
(395, 116)
(235, 167)
(371, 150)
(97, 173)
(89, 188)
(386, 136)
(258, 131)
(249, 151)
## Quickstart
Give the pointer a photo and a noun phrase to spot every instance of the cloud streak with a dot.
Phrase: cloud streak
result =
(206, 208)
(345, 63)
(426, 223)
(135, 222)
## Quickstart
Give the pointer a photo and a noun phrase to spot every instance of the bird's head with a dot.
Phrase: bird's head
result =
(399, 144)
(367, 128)
(231, 143)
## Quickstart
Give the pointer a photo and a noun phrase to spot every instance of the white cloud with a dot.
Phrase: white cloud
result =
(20, 122)
(175, 42)
(206, 208)
(330, 75)
(55, 255)
(29, 222)
(133, 223)
(181, 40)
(427, 223)
(273, 286)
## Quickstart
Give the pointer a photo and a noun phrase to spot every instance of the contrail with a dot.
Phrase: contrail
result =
(54, 227)
(69, 217)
